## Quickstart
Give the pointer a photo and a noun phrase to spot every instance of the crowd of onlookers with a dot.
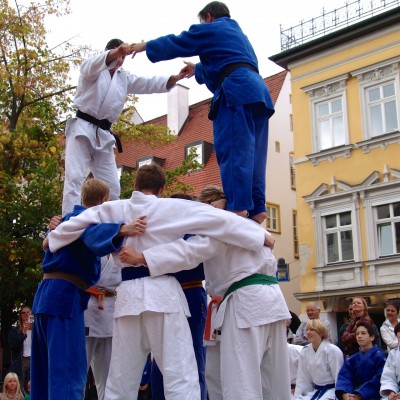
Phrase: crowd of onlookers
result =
(359, 366)
(363, 364)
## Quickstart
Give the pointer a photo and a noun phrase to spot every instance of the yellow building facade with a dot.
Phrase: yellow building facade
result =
(346, 121)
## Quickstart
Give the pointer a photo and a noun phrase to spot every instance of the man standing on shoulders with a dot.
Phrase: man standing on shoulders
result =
(241, 106)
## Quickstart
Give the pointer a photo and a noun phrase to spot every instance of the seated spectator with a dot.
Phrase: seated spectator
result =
(313, 311)
(11, 388)
(348, 342)
(359, 378)
(391, 371)
(319, 364)
(387, 329)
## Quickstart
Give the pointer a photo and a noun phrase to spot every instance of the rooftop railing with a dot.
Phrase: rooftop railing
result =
(328, 22)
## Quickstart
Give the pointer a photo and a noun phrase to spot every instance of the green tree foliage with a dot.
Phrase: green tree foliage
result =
(34, 95)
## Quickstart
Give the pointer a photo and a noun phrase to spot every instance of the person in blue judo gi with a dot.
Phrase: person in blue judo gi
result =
(359, 378)
(58, 359)
(241, 106)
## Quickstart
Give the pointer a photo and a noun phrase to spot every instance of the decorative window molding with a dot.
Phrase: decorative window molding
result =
(273, 221)
(382, 141)
(328, 108)
(332, 201)
(379, 195)
(379, 100)
(382, 215)
(331, 154)
(203, 151)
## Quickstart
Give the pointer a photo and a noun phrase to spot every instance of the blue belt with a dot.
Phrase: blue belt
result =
(129, 273)
(321, 390)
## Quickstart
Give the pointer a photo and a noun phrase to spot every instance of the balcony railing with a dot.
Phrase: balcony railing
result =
(331, 21)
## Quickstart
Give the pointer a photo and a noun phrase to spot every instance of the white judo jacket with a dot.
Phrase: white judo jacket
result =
(167, 221)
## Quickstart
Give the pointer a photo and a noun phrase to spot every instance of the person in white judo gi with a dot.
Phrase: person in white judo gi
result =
(99, 323)
(150, 313)
(250, 360)
(99, 100)
(319, 365)
(391, 371)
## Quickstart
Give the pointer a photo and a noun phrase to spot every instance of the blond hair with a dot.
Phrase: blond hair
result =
(210, 194)
(318, 326)
(94, 192)
(7, 378)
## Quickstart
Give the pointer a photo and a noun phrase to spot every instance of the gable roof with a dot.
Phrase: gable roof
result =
(197, 128)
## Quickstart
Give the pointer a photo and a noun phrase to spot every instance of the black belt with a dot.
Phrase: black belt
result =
(104, 124)
(230, 68)
(129, 273)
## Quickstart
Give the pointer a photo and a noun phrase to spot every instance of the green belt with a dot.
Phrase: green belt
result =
(256, 279)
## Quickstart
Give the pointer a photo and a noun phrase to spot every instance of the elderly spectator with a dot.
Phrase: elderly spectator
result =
(313, 311)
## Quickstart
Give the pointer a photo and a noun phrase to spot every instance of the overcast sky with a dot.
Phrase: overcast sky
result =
(94, 22)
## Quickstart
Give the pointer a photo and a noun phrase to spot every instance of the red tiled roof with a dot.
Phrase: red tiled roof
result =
(197, 127)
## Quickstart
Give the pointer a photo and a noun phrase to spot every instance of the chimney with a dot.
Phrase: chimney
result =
(178, 107)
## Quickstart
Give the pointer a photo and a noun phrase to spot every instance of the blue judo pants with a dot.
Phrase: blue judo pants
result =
(58, 359)
(241, 145)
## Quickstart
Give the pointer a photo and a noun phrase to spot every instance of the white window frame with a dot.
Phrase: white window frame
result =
(372, 76)
(337, 230)
(322, 92)
(199, 152)
(387, 195)
(335, 203)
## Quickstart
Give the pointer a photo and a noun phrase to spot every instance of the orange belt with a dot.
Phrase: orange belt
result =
(100, 294)
(215, 301)
(191, 284)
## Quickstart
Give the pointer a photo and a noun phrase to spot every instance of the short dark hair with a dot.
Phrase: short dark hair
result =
(394, 304)
(367, 326)
(217, 9)
(113, 44)
(397, 329)
(150, 177)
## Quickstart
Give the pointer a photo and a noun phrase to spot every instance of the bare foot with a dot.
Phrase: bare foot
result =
(260, 217)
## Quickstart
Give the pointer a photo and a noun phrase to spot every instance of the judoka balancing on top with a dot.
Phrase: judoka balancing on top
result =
(100, 98)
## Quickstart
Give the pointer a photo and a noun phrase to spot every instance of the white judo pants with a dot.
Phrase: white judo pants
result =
(98, 355)
(80, 158)
(250, 363)
(168, 337)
